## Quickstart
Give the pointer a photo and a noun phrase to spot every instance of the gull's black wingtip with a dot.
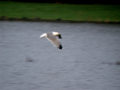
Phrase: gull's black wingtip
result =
(60, 47)
(60, 37)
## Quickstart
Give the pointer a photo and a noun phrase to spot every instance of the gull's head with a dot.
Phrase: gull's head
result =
(43, 35)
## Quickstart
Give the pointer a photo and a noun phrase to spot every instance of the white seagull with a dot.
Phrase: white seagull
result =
(52, 37)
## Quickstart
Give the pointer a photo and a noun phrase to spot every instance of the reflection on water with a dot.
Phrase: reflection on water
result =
(30, 63)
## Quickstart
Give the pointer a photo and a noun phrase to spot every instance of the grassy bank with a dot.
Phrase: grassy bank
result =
(40, 11)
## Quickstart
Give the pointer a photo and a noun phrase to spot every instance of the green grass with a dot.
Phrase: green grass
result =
(106, 13)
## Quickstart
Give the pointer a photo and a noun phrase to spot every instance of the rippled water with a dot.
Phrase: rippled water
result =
(89, 59)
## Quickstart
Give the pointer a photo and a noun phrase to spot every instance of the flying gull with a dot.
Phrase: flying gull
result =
(53, 38)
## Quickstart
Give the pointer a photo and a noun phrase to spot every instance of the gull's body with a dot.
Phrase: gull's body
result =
(52, 37)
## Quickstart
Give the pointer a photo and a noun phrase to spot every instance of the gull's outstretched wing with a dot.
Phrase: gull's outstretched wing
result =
(43, 35)
(57, 34)
(55, 41)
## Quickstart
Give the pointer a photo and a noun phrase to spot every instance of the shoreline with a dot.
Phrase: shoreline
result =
(4, 18)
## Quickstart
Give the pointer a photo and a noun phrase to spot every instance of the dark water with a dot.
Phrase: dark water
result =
(89, 60)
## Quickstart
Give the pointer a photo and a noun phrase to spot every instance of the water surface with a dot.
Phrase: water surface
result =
(89, 59)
